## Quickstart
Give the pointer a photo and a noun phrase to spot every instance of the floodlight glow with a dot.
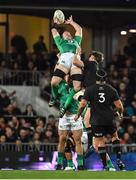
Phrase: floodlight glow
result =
(132, 30)
(123, 32)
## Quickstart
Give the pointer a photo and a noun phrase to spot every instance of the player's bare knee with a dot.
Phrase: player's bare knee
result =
(62, 139)
(54, 82)
(78, 141)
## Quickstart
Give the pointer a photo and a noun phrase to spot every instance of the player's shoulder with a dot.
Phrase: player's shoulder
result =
(92, 88)
(110, 87)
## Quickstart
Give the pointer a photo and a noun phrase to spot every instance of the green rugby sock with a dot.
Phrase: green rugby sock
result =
(80, 160)
(60, 158)
(54, 92)
(109, 164)
(69, 99)
(70, 163)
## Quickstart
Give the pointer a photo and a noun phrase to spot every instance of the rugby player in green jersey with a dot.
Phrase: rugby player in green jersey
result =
(66, 124)
(67, 46)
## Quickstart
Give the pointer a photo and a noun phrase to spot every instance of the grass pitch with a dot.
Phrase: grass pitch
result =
(26, 174)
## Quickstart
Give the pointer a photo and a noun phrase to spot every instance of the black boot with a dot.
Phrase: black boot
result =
(80, 168)
(121, 165)
(59, 167)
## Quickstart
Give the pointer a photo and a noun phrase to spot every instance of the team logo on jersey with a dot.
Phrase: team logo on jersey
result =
(70, 41)
(101, 88)
(62, 61)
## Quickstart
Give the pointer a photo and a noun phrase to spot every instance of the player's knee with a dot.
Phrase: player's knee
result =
(62, 139)
(54, 82)
(99, 142)
(78, 141)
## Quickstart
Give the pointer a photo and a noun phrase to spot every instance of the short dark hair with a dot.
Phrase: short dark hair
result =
(101, 75)
(61, 30)
(98, 56)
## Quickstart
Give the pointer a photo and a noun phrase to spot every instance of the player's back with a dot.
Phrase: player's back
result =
(89, 73)
(101, 99)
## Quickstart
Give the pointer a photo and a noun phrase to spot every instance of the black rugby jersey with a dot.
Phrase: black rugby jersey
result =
(89, 74)
(101, 98)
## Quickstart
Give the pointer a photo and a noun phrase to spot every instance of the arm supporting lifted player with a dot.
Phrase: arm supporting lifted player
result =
(77, 61)
(118, 105)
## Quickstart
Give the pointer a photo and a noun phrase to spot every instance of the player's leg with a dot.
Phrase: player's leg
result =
(98, 133)
(117, 150)
(88, 126)
(70, 145)
(58, 75)
(77, 134)
(63, 131)
(101, 150)
(70, 164)
(76, 74)
(61, 148)
(84, 140)
(109, 162)
(77, 130)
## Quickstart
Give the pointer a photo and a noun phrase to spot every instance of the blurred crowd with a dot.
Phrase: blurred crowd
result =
(122, 75)
(27, 126)
(22, 130)
(21, 67)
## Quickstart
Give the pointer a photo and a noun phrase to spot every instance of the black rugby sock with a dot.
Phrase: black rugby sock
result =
(102, 153)
(89, 134)
(116, 148)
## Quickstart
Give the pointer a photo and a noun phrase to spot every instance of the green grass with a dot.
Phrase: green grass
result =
(25, 174)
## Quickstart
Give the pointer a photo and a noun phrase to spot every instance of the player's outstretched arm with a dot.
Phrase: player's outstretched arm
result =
(54, 32)
(76, 26)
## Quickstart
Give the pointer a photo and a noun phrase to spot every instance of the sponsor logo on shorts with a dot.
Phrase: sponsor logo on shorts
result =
(63, 61)
(98, 134)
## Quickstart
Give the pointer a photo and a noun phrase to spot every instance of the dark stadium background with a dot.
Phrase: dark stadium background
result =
(106, 19)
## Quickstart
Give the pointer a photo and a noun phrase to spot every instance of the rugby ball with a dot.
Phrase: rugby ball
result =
(59, 15)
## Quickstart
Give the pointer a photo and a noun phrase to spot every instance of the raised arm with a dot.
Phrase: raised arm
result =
(54, 32)
(76, 26)
(56, 36)
(54, 27)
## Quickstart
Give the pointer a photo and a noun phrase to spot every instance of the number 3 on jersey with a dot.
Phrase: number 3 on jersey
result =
(101, 97)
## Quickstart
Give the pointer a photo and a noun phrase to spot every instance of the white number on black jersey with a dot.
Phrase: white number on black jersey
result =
(101, 97)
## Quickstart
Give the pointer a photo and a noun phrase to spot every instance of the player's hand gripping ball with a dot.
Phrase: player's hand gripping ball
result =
(58, 17)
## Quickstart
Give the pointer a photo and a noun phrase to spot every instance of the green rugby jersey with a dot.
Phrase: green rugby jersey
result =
(63, 91)
(68, 45)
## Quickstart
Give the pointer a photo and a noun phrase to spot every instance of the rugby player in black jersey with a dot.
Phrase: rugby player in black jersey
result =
(90, 67)
(102, 97)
